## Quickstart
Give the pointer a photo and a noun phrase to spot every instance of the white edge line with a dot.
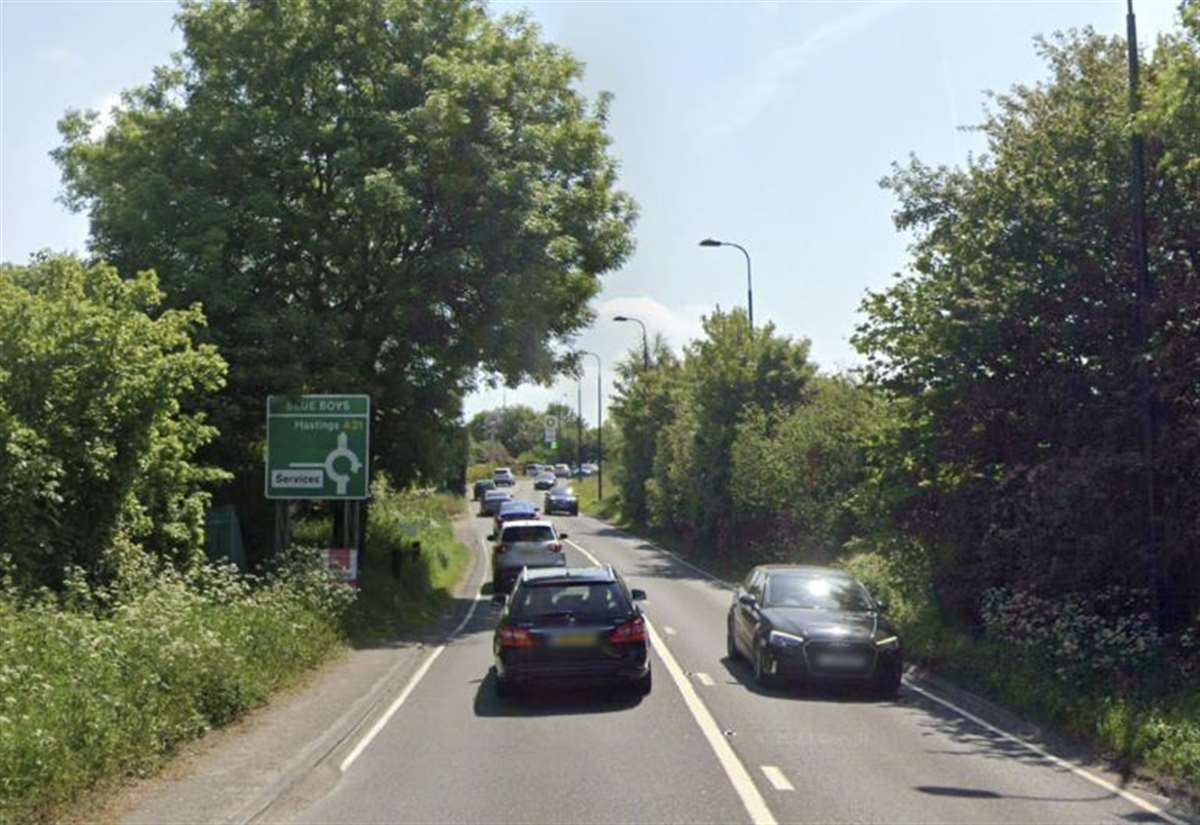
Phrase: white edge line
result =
(739, 777)
(382, 721)
(1133, 799)
(776, 778)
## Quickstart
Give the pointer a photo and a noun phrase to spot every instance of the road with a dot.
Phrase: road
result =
(706, 745)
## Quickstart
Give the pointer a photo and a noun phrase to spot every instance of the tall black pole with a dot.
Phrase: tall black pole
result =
(1145, 297)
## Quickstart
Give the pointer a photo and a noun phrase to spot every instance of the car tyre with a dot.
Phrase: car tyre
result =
(505, 690)
(643, 685)
(575, 511)
(762, 676)
(887, 682)
(731, 644)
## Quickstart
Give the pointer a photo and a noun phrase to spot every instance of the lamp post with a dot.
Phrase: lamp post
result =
(645, 340)
(599, 427)
(749, 286)
(1145, 297)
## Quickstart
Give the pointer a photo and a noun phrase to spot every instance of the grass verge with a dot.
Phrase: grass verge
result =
(588, 491)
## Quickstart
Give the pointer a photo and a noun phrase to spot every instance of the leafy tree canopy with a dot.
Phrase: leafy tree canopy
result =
(381, 197)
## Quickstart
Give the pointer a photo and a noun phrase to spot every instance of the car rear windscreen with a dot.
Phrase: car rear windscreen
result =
(583, 600)
(528, 532)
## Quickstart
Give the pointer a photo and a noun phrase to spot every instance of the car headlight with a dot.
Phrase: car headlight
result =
(777, 638)
(888, 643)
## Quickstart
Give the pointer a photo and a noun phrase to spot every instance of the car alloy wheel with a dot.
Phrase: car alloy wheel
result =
(730, 644)
(762, 676)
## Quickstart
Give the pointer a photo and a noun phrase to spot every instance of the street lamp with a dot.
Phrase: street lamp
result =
(645, 344)
(749, 289)
(599, 427)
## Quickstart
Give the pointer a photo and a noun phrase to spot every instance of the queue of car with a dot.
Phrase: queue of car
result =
(792, 624)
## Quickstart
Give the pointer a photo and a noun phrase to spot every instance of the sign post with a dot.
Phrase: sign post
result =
(551, 425)
(318, 447)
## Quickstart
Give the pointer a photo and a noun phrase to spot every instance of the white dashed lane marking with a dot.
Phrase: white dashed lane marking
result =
(705, 679)
(670, 631)
(777, 779)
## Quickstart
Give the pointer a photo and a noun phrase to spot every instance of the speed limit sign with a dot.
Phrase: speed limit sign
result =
(551, 424)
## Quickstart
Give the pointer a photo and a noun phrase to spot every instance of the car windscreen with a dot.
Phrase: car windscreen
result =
(528, 532)
(816, 593)
(581, 601)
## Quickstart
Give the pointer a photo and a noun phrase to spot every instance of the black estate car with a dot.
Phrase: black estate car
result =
(571, 625)
(813, 624)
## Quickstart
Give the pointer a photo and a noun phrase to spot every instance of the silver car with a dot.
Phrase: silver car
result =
(521, 544)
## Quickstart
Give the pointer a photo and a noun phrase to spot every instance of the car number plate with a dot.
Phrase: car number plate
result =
(842, 661)
(573, 640)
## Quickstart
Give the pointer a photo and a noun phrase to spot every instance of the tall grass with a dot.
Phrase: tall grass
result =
(92, 690)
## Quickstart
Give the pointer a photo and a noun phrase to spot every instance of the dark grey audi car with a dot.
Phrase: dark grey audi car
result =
(813, 625)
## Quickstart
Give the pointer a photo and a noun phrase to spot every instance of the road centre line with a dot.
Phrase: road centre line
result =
(739, 777)
(777, 779)
(1137, 801)
(382, 721)
(1088, 776)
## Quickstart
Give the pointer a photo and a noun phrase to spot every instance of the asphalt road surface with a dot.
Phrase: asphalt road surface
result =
(706, 745)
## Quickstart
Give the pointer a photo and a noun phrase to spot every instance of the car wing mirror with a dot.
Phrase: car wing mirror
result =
(491, 536)
(563, 536)
(881, 605)
(499, 598)
(748, 600)
(638, 595)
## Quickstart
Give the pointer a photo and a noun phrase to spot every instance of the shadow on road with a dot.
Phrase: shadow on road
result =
(743, 674)
(551, 702)
(980, 793)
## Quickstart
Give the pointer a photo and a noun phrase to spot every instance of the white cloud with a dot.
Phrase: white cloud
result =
(678, 326)
(104, 106)
(61, 57)
(752, 93)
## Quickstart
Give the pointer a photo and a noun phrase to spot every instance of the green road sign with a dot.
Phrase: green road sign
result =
(318, 446)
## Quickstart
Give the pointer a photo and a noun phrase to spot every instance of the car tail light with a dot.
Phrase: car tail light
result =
(498, 548)
(556, 546)
(634, 631)
(515, 637)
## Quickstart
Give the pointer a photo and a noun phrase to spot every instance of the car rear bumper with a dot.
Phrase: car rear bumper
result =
(601, 673)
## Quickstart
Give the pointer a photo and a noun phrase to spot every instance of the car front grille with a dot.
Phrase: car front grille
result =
(838, 658)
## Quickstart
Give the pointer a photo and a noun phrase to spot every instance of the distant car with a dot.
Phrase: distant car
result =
(590, 469)
(514, 510)
(504, 477)
(569, 626)
(560, 500)
(562, 470)
(521, 544)
(545, 481)
(532, 469)
(482, 486)
(813, 624)
(492, 499)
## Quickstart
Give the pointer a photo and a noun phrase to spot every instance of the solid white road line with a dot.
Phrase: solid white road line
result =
(382, 721)
(1131, 798)
(1145, 805)
(738, 776)
(777, 779)
(705, 679)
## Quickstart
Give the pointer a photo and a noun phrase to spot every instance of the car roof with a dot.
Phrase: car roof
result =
(517, 504)
(560, 491)
(804, 569)
(528, 522)
(497, 494)
(566, 575)
(502, 470)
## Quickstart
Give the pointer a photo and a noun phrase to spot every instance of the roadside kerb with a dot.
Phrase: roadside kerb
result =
(357, 717)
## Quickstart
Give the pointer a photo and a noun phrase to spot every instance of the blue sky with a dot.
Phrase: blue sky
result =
(765, 123)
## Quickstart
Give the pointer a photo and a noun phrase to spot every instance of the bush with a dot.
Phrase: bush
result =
(97, 685)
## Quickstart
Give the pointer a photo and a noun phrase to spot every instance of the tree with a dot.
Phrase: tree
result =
(97, 455)
(1008, 346)
(389, 197)
(642, 408)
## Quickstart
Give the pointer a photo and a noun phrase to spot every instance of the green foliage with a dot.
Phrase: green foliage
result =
(1008, 346)
(96, 689)
(98, 444)
(383, 198)
(389, 604)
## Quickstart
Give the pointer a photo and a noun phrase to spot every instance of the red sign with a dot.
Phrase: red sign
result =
(342, 562)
